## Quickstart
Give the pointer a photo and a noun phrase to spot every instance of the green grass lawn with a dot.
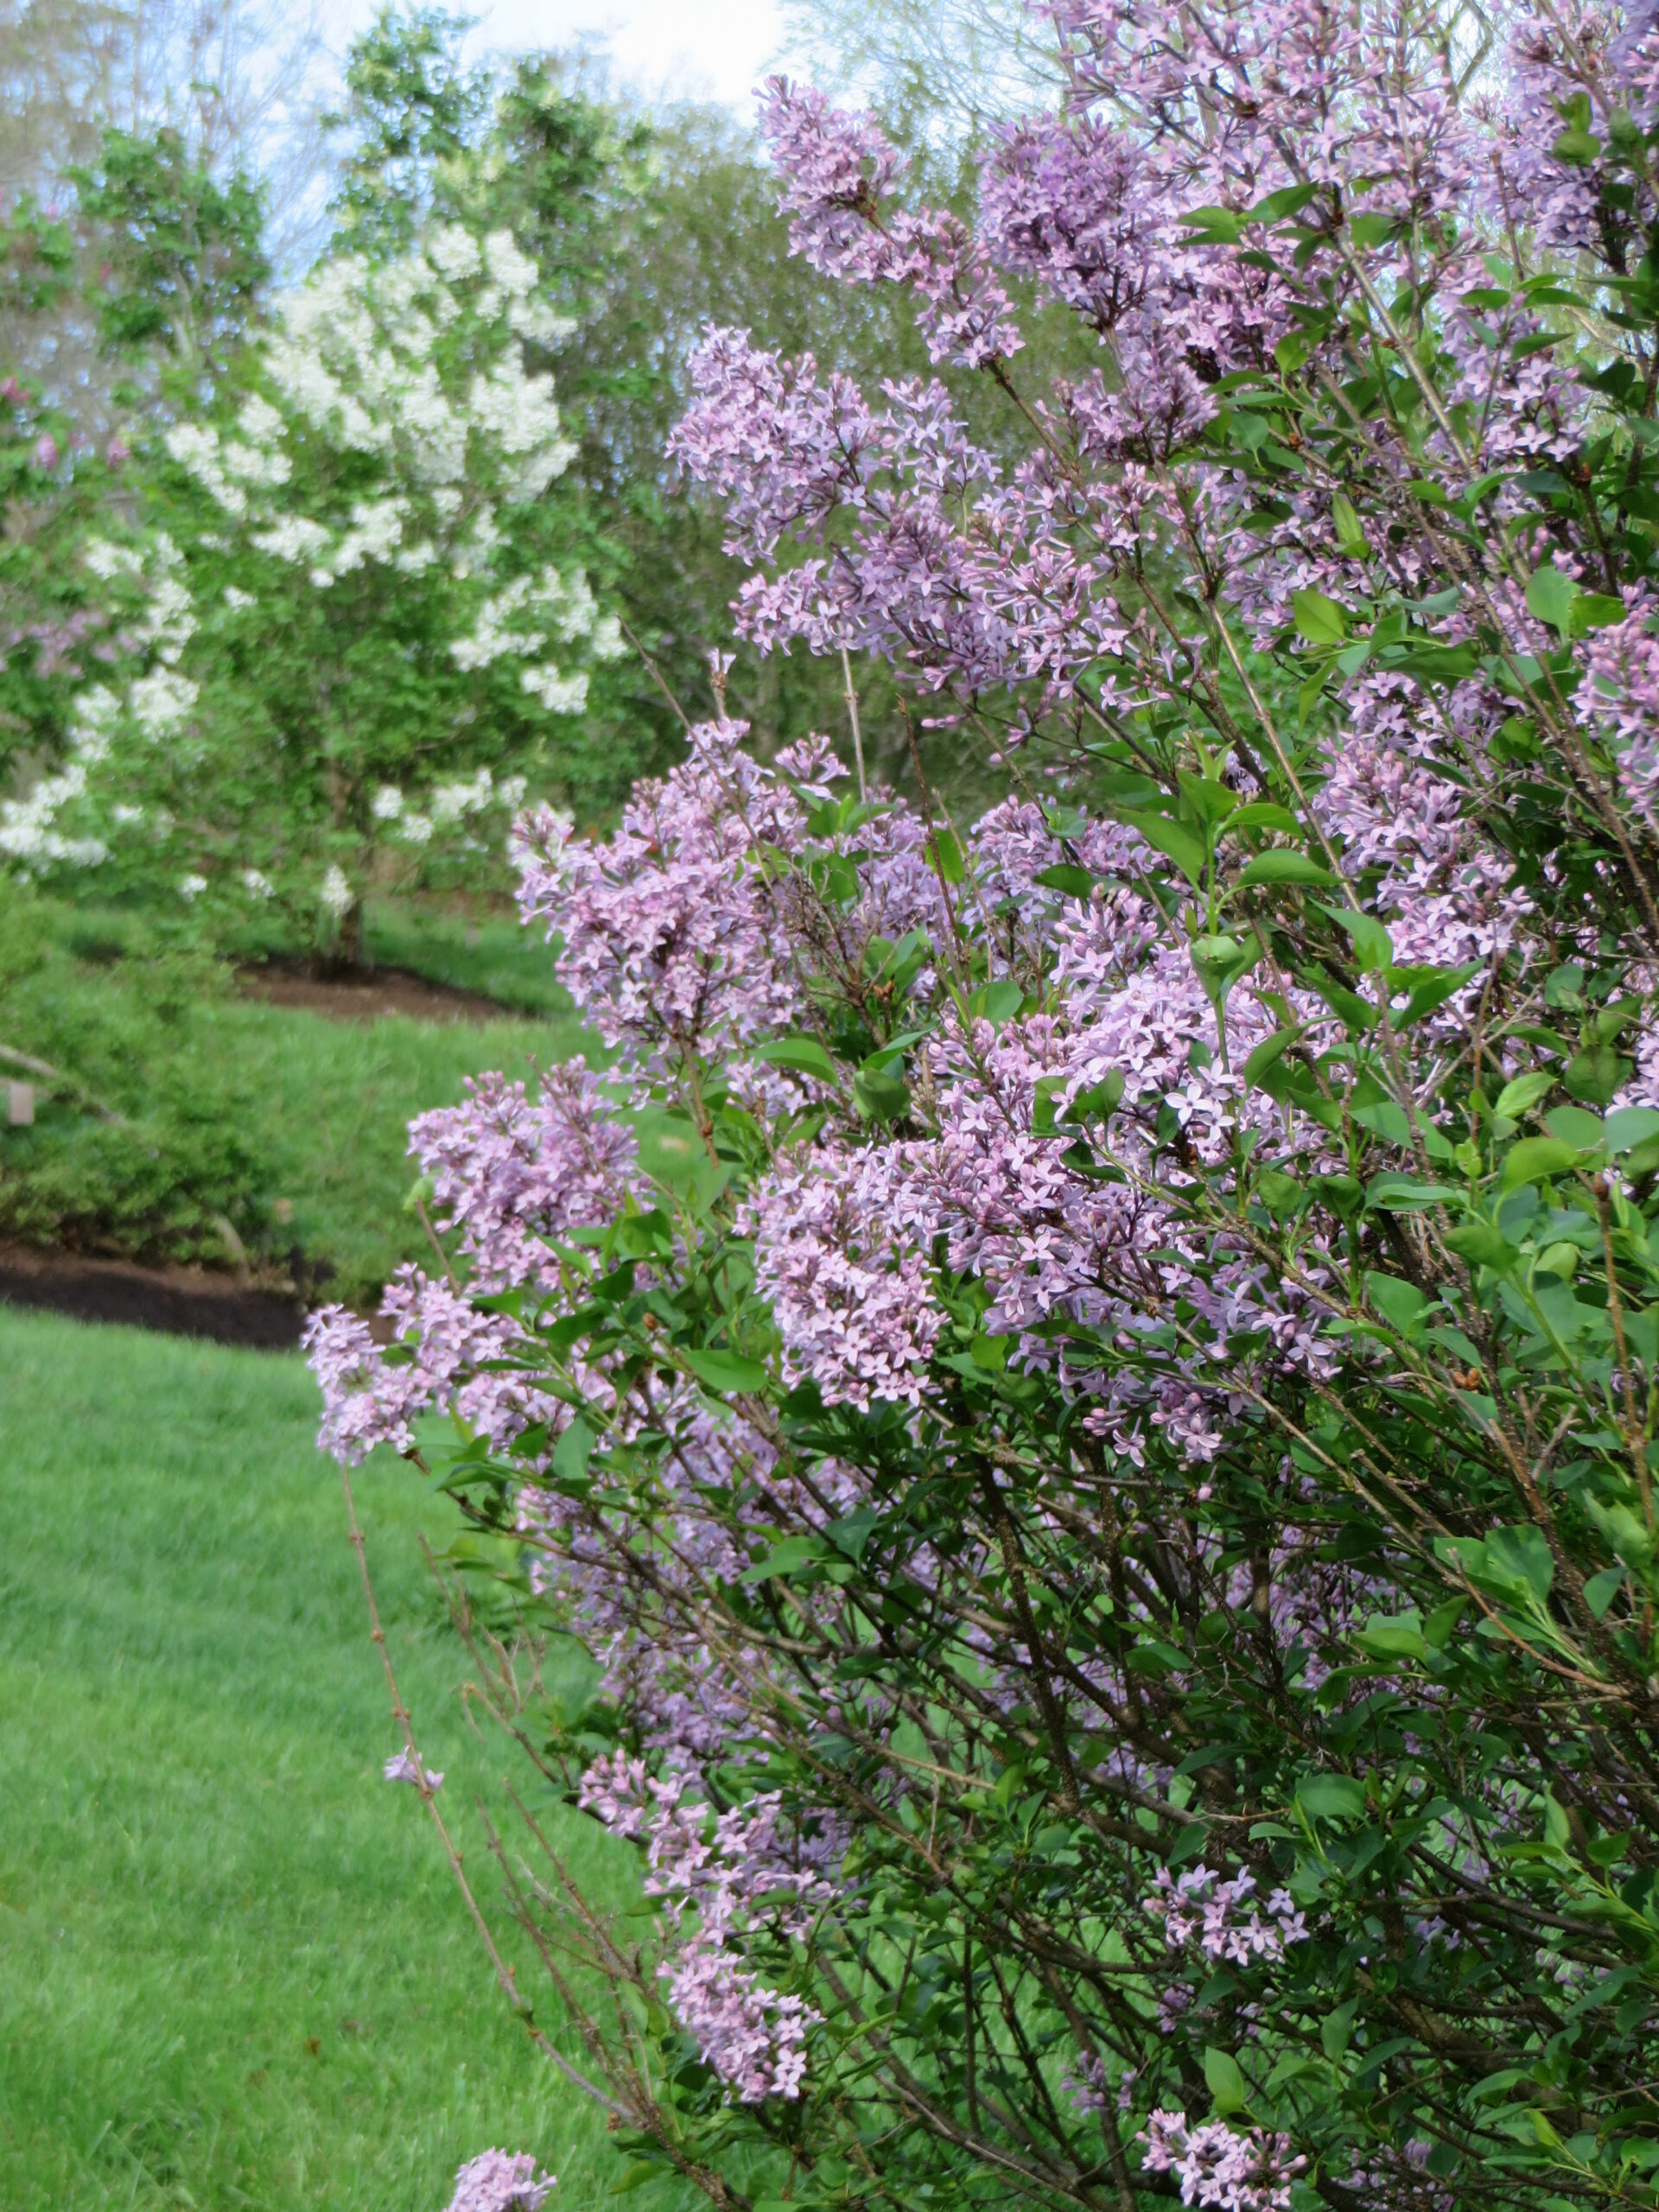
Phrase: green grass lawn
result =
(233, 1969)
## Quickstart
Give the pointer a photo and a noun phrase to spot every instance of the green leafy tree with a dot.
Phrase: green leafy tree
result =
(135, 304)
(183, 256)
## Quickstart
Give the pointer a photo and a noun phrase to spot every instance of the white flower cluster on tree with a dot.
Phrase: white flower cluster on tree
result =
(359, 628)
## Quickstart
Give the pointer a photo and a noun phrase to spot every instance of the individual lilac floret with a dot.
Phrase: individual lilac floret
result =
(404, 1766)
(499, 2181)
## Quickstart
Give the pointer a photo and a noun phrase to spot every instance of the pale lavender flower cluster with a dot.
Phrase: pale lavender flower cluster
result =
(513, 1172)
(1198, 1907)
(1244, 2169)
(408, 1766)
(673, 938)
(501, 2181)
(447, 1356)
(723, 1875)
(837, 169)
(1619, 700)
(851, 1298)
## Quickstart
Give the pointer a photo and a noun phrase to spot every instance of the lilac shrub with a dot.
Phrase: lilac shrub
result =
(1086, 1382)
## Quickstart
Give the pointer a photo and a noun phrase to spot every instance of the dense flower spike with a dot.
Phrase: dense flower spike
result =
(671, 940)
(1086, 1380)
(501, 2181)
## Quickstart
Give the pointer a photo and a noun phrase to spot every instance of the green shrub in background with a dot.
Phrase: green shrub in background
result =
(183, 1110)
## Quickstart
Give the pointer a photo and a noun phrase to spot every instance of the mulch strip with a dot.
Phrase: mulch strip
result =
(371, 997)
(181, 1301)
(176, 1301)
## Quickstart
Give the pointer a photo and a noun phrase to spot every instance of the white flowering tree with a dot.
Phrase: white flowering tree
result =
(367, 627)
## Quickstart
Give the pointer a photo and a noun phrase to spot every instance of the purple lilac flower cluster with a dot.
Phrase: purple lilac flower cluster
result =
(501, 2181)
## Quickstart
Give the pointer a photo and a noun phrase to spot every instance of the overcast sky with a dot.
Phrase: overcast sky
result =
(711, 48)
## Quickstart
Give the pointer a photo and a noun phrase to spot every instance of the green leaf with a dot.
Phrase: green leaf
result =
(853, 1532)
(793, 1553)
(1483, 1244)
(1399, 1303)
(636, 2176)
(1290, 199)
(1522, 1092)
(1130, 791)
(1220, 961)
(1434, 991)
(725, 1370)
(1227, 2084)
(1219, 226)
(1400, 1637)
(1373, 230)
(1520, 1557)
(1534, 1159)
(1319, 619)
(1351, 537)
(1630, 1126)
(1550, 596)
(1336, 2027)
(1573, 1126)
(1270, 1049)
(1404, 1194)
(947, 856)
(1511, 1563)
(1595, 610)
(1211, 802)
(996, 1002)
(1438, 1627)
(1600, 1589)
(1330, 1797)
(1359, 1013)
(1284, 865)
(1373, 946)
(1175, 844)
(1308, 696)
(803, 1054)
(1596, 1073)
(571, 1452)
(1076, 882)
(879, 1097)
(1262, 814)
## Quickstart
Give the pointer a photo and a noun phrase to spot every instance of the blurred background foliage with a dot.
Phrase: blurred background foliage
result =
(167, 167)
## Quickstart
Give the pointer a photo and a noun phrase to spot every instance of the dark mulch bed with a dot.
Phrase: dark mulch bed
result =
(179, 1301)
(382, 991)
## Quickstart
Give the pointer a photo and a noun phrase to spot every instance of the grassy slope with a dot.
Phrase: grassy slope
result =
(233, 1971)
(291, 1124)
(494, 956)
(336, 1098)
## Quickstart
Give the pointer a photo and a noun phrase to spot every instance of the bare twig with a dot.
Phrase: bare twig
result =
(852, 716)
(47, 1073)
(657, 675)
(522, 2007)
